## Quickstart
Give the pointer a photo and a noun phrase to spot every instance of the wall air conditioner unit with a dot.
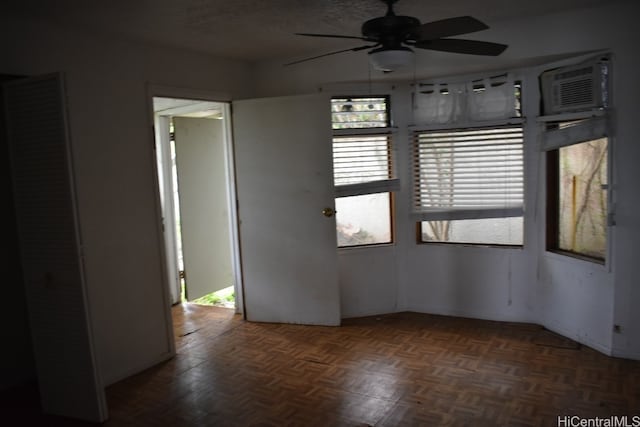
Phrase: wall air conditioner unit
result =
(577, 87)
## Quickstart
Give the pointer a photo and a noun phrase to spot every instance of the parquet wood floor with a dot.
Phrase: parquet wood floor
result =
(403, 369)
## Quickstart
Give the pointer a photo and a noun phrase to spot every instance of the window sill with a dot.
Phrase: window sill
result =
(571, 257)
(472, 245)
(364, 131)
(578, 115)
(365, 247)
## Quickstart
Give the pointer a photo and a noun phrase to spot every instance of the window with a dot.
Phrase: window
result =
(364, 220)
(468, 185)
(575, 134)
(363, 170)
(577, 199)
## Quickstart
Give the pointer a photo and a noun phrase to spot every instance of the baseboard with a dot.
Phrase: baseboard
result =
(369, 313)
(161, 358)
(497, 317)
(604, 349)
(623, 354)
(505, 317)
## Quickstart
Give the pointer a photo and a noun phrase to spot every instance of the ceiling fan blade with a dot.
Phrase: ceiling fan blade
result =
(471, 47)
(353, 49)
(447, 28)
(335, 36)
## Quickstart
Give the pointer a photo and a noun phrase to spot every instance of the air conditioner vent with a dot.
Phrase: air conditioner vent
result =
(576, 92)
(576, 88)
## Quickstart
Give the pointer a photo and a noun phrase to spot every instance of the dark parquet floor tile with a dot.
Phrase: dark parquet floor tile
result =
(403, 369)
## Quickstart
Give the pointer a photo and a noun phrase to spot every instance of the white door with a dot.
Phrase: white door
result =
(284, 181)
(204, 210)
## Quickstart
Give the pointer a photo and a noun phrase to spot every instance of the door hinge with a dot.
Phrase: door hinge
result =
(182, 275)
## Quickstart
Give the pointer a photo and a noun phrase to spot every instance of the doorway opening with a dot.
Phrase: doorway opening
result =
(195, 176)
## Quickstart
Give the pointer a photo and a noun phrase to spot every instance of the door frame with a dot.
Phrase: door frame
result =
(154, 90)
(163, 153)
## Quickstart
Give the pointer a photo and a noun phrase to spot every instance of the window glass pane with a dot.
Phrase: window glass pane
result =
(582, 216)
(367, 112)
(488, 231)
(363, 220)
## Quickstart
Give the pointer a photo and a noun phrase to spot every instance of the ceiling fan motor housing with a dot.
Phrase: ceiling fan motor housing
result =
(390, 30)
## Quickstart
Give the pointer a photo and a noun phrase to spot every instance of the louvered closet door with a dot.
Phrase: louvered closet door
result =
(49, 239)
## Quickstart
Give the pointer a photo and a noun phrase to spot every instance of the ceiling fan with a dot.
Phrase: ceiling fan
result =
(392, 37)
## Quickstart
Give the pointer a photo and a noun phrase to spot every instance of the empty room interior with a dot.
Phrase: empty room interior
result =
(422, 213)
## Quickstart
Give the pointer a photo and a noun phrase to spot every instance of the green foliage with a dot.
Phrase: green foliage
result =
(224, 297)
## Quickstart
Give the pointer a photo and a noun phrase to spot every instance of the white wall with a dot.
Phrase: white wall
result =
(443, 279)
(112, 139)
(627, 156)
(379, 294)
(584, 300)
(579, 299)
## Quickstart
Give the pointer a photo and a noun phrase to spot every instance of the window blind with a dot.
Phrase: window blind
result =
(468, 173)
(362, 146)
(362, 164)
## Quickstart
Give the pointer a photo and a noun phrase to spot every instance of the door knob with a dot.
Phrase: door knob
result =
(328, 212)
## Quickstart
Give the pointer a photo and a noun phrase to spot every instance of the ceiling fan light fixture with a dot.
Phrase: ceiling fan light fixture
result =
(390, 59)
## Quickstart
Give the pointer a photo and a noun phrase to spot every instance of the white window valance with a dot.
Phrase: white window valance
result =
(439, 103)
(465, 102)
(487, 101)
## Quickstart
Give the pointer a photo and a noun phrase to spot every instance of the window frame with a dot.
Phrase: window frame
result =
(420, 241)
(389, 186)
(392, 225)
(489, 124)
(564, 127)
(387, 99)
(552, 210)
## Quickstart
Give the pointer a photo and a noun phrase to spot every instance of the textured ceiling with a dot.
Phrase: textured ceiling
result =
(256, 30)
